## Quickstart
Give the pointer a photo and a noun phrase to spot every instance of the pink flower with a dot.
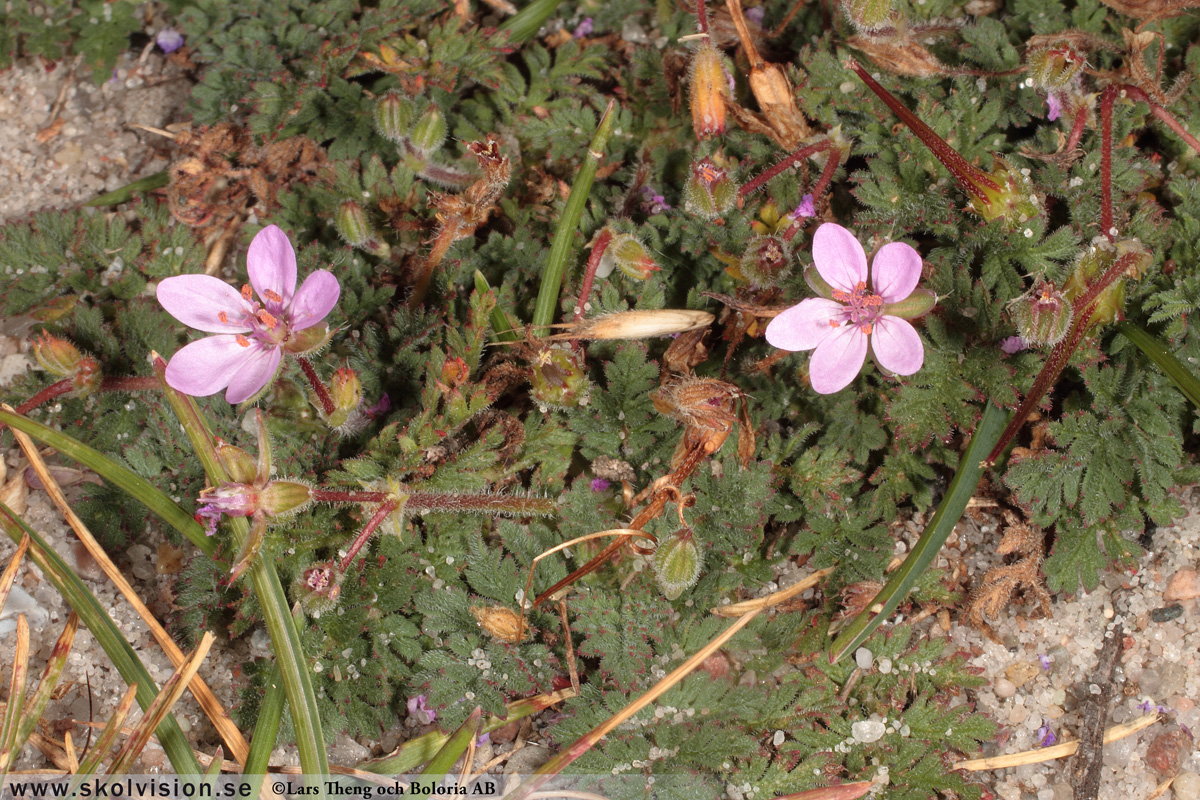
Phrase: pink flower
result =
(805, 209)
(169, 40)
(245, 354)
(1054, 106)
(852, 318)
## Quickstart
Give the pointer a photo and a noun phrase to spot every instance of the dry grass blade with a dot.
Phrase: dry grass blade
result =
(775, 598)
(104, 741)
(846, 791)
(238, 747)
(36, 705)
(162, 705)
(10, 572)
(16, 696)
(1057, 751)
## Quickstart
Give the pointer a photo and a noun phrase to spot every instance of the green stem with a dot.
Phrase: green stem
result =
(1164, 359)
(126, 192)
(503, 327)
(568, 224)
(285, 638)
(970, 470)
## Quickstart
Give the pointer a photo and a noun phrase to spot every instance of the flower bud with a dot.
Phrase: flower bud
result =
(1004, 193)
(709, 191)
(306, 341)
(766, 262)
(559, 379)
(677, 564)
(868, 15)
(355, 229)
(1093, 262)
(1043, 317)
(709, 92)
(240, 466)
(63, 360)
(345, 391)
(429, 134)
(1052, 68)
(631, 256)
(280, 498)
(502, 624)
(917, 304)
(394, 115)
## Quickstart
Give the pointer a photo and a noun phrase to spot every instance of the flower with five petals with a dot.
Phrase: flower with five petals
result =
(252, 334)
(852, 316)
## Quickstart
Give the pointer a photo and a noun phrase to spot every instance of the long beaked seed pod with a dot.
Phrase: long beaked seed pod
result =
(638, 325)
(709, 91)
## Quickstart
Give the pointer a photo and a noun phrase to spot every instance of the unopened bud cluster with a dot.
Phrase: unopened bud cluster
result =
(63, 360)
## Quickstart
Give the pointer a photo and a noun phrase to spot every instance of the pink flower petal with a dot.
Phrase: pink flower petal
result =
(895, 271)
(897, 346)
(256, 372)
(207, 366)
(198, 301)
(271, 262)
(839, 257)
(804, 326)
(837, 359)
(314, 300)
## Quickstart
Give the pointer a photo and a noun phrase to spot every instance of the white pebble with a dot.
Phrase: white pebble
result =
(871, 730)
(863, 657)
(1004, 688)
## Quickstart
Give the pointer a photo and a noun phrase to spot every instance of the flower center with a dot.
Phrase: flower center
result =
(269, 329)
(861, 307)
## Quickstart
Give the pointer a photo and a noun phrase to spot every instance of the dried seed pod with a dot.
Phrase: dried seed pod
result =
(637, 324)
(704, 403)
(502, 624)
(708, 92)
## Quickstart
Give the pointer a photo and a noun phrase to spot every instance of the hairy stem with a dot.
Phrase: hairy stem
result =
(318, 387)
(376, 520)
(589, 275)
(1106, 211)
(787, 163)
(1162, 114)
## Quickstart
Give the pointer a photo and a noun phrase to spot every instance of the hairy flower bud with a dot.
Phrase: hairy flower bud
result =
(677, 564)
(308, 340)
(394, 115)
(630, 256)
(280, 498)
(1044, 317)
(766, 262)
(502, 624)
(63, 360)
(710, 191)
(868, 15)
(429, 134)
(1052, 68)
(1093, 262)
(559, 379)
(709, 92)
(345, 391)
(355, 229)
(237, 462)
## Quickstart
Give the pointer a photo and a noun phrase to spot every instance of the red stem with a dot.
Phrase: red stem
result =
(332, 496)
(1162, 114)
(380, 515)
(701, 16)
(1077, 128)
(589, 275)
(317, 386)
(44, 396)
(134, 384)
(969, 176)
(1106, 211)
(791, 161)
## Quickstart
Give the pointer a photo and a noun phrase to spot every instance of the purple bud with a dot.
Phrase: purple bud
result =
(756, 15)
(805, 209)
(1046, 737)
(421, 712)
(169, 40)
(1011, 345)
(482, 740)
(1044, 660)
(599, 484)
(583, 29)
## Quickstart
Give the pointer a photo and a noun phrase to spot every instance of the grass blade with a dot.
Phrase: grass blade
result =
(16, 696)
(285, 638)
(455, 746)
(126, 192)
(9, 577)
(95, 756)
(970, 470)
(118, 475)
(568, 224)
(502, 327)
(1156, 350)
(416, 752)
(93, 615)
(167, 698)
(36, 704)
(525, 24)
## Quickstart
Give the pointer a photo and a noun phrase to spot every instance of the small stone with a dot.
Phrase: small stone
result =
(1174, 680)
(1186, 786)
(1021, 673)
(863, 657)
(1167, 751)
(1004, 688)
(506, 734)
(1063, 791)
(871, 730)
(1184, 585)
(1166, 613)
(885, 665)
(1150, 681)
(69, 155)
(1017, 715)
